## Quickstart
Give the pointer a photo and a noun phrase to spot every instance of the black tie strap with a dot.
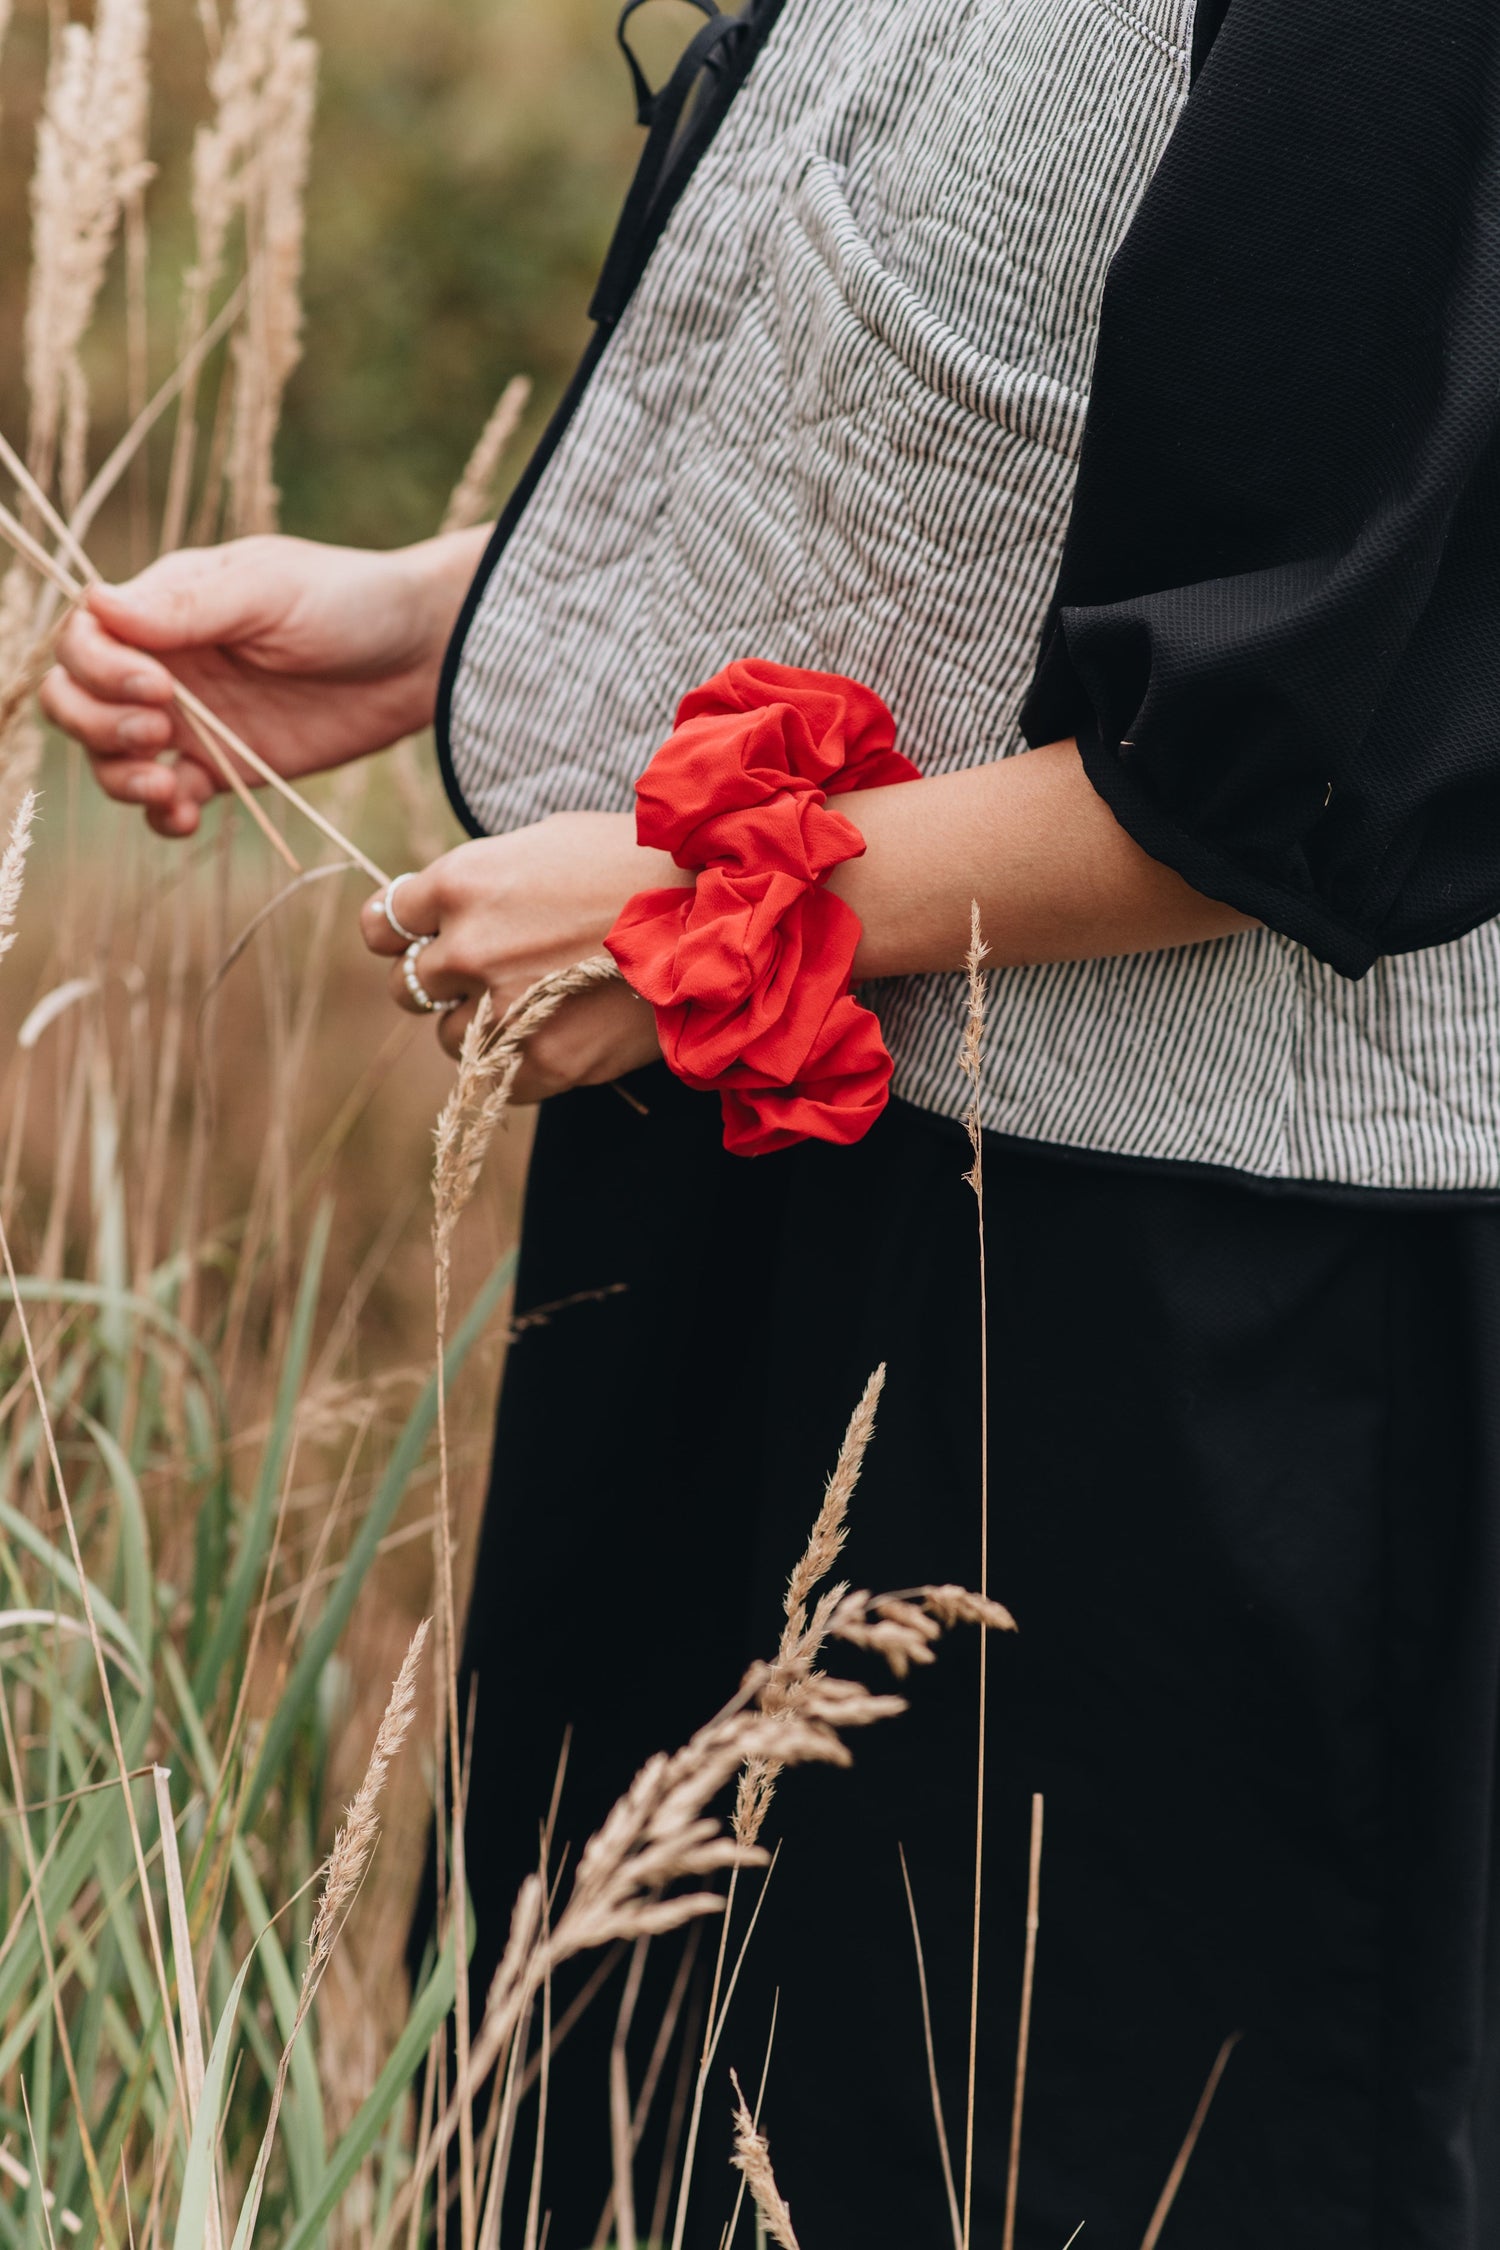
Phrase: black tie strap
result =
(681, 118)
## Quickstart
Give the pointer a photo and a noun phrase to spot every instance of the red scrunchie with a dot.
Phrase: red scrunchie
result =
(749, 971)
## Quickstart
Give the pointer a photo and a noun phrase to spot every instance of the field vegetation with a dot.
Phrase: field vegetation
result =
(253, 1310)
(257, 1240)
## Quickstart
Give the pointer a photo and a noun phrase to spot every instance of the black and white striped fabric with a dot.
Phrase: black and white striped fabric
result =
(839, 427)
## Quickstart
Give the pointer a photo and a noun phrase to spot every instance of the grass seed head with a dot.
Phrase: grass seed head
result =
(752, 2158)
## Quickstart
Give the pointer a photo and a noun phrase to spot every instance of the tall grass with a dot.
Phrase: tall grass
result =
(205, 1455)
(214, 1443)
(238, 1444)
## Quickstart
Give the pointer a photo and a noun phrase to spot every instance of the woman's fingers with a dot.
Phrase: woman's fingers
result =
(197, 597)
(109, 668)
(451, 1027)
(414, 904)
(124, 743)
(437, 981)
(106, 730)
(595, 1036)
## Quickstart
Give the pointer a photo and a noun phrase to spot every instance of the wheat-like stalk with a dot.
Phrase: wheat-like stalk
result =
(13, 869)
(904, 1629)
(1184, 2156)
(934, 2088)
(1023, 2029)
(473, 494)
(802, 1636)
(90, 161)
(344, 1872)
(249, 163)
(269, 346)
(971, 1062)
(752, 2159)
(355, 1840)
(5, 15)
(661, 1832)
(24, 662)
(489, 1063)
(489, 1060)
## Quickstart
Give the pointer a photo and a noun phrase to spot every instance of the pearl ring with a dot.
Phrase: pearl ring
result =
(414, 985)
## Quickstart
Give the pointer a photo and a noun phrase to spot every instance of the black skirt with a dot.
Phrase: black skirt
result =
(1245, 1506)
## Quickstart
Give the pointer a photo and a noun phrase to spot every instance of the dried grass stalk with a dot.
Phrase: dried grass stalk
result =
(1184, 2156)
(622, 2129)
(5, 15)
(934, 2089)
(802, 1636)
(905, 1628)
(249, 163)
(90, 162)
(489, 1063)
(24, 663)
(270, 344)
(971, 1062)
(344, 1873)
(489, 1059)
(752, 2158)
(13, 868)
(473, 495)
(355, 1840)
(1023, 2034)
(661, 1833)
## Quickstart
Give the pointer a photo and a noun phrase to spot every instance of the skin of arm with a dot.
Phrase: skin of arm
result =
(1055, 875)
(320, 655)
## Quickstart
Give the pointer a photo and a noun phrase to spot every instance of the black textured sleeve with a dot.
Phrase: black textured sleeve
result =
(1276, 632)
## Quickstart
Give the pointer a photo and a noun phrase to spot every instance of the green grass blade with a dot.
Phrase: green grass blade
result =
(302, 2129)
(197, 2179)
(403, 1465)
(245, 1583)
(59, 1565)
(135, 1547)
(35, 1289)
(422, 2026)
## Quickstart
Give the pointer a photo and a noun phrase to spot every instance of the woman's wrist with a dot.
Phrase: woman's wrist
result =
(907, 923)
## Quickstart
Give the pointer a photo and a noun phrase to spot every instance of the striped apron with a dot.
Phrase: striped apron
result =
(838, 425)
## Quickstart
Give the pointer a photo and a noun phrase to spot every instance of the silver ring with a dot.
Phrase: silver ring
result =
(417, 988)
(388, 909)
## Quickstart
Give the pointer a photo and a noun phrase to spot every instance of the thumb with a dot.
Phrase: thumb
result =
(187, 600)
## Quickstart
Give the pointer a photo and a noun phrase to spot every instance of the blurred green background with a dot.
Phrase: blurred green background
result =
(470, 158)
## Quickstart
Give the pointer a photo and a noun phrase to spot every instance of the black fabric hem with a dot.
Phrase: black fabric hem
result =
(1351, 953)
(723, 55)
(1350, 1193)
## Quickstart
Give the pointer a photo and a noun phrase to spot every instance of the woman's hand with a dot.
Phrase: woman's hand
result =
(314, 654)
(507, 910)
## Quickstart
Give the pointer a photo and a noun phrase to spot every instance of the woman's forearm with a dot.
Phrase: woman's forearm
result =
(1056, 876)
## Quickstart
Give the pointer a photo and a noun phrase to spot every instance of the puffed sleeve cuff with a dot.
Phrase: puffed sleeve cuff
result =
(1274, 626)
(1300, 915)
